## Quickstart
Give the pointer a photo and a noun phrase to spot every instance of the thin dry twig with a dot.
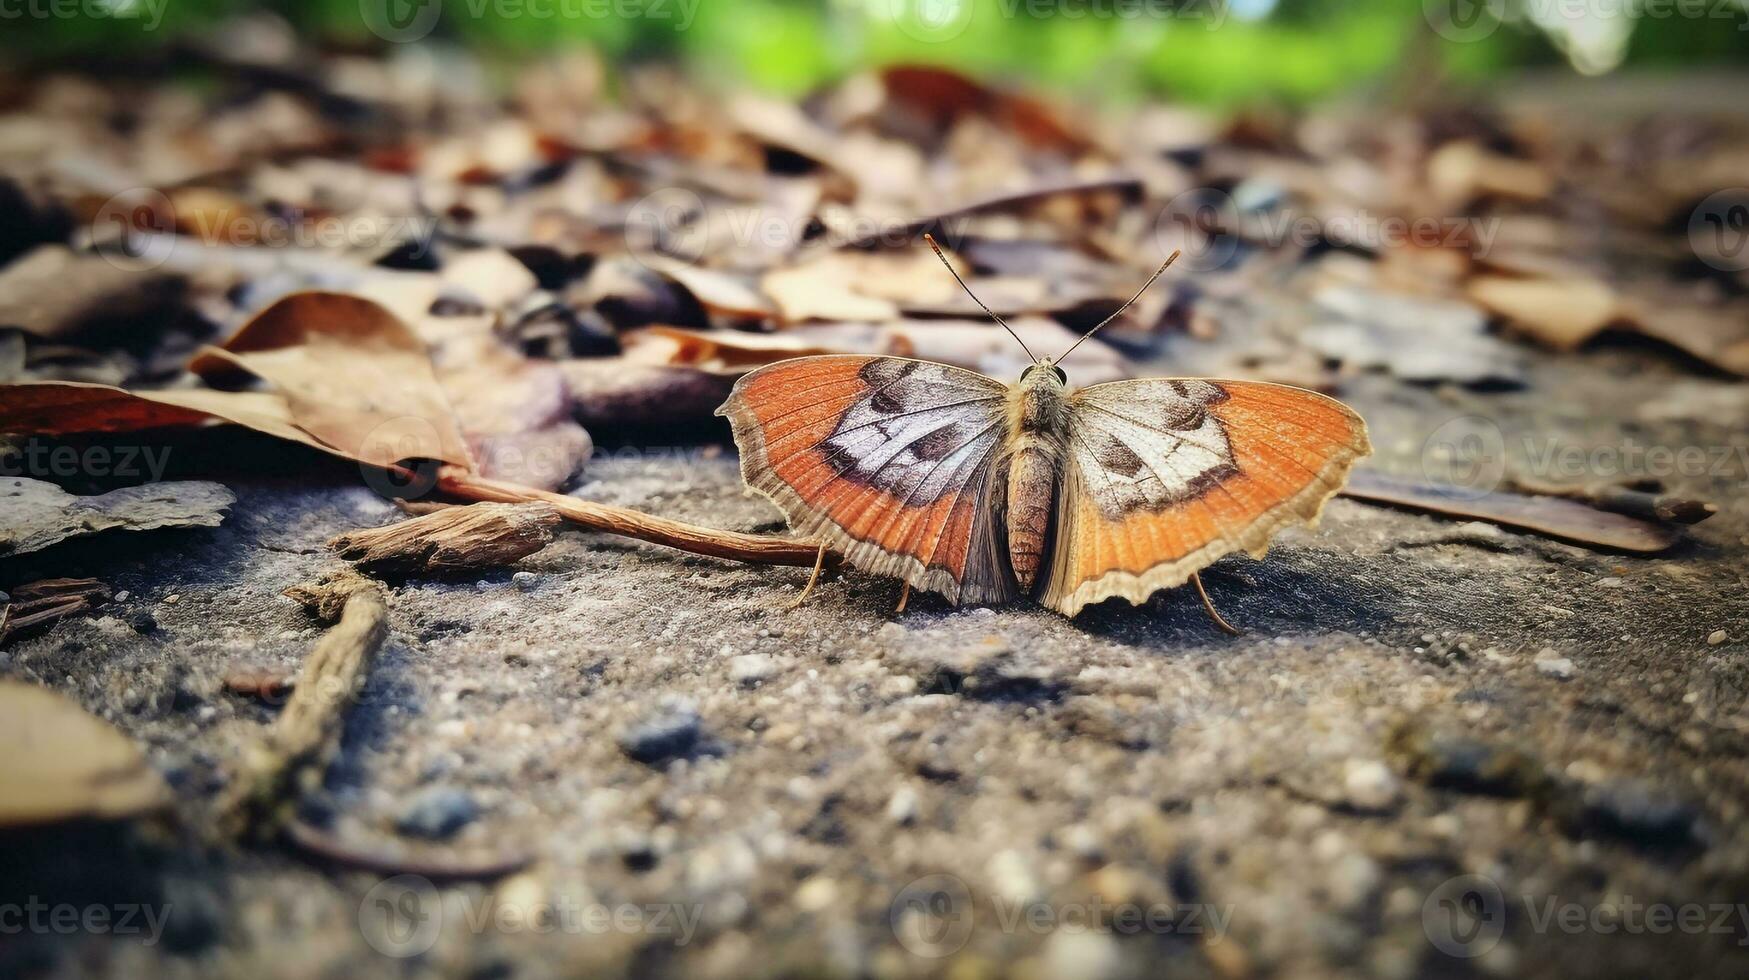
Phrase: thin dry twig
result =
(290, 758)
(754, 548)
(394, 859)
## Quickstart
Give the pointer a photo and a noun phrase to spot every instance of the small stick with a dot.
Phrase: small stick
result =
(388, 861)
(819, 561)
(755, 548)
(289, 759)
(904, 597)
(1208, 605)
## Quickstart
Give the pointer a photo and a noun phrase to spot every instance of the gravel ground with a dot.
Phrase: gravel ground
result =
(1437, 749)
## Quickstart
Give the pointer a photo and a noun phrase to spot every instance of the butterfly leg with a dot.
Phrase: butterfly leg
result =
(904, 597)
(1209, 606)
(819, 562)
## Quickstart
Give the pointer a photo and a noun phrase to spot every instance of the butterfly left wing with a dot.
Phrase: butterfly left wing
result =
(1164, 476)
(892, 461)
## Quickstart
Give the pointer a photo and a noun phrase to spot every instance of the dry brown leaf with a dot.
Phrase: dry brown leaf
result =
(1562, 313)
(354, 376)
(1460, 172)
(1555, 517)
(1717, 334)
(63, 764)
(729, 352)
(54, 408)
(55, 293)
(822, 290)
(720, 292)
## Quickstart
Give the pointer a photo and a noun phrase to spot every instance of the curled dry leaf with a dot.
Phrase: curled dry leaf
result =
(720, 292)
(56, 408)
(354, 376)
(1561, 313)
(35, 514)
(56, 293)
(63, 764)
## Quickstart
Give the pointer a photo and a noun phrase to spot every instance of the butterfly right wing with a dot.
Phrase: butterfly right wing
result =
(892, 461)
(1164, 476)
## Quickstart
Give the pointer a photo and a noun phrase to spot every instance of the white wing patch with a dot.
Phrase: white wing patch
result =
(1148, 444)
(917, 428)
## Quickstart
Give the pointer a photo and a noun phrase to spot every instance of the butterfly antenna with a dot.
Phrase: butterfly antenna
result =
(931, 240)
(1163, 267)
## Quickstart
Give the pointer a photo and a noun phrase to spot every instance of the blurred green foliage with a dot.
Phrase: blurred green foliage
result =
(1210, 51)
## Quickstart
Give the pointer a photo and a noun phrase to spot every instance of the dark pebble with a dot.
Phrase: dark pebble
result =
(673, 732)
(437, 813)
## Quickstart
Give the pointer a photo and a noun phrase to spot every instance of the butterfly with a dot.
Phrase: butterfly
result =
(986, 492)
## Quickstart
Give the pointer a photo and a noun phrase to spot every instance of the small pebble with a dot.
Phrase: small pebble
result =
(1557, 667)
(173, 598)
(1371, 785)
(437, 813)
(122, 596)
(672, 732)
(751, 668)
(902, 806)
(1716, 637)
(526, 581)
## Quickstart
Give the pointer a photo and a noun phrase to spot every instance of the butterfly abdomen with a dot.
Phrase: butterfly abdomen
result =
(1032, 484)
(1035, 455)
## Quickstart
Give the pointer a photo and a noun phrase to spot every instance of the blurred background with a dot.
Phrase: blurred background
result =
(1217, 52)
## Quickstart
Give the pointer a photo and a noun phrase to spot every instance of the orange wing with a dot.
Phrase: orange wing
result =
(1164, 477)
(892, 461)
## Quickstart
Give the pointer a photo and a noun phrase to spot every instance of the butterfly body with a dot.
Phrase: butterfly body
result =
(1034, 445)
(986, 492)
